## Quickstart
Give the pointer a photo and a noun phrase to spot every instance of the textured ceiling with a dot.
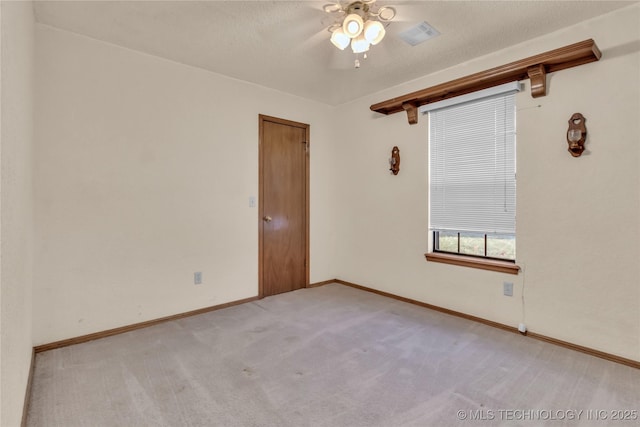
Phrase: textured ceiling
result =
(284, 45)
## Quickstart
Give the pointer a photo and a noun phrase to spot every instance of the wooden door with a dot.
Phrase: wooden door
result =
(284, 206)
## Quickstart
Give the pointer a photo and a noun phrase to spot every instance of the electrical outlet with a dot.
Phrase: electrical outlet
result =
(197, 278)
(507, 289)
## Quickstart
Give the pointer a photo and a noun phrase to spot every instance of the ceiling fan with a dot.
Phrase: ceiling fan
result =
(359, 24)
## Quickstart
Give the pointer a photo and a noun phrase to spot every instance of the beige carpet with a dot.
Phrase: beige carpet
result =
(328, 356)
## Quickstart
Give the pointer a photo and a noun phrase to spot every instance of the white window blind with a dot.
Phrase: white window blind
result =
(473, 167)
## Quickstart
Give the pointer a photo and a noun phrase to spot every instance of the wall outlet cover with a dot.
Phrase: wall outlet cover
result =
(507, 289)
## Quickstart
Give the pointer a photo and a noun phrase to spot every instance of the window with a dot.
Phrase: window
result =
(472, 176)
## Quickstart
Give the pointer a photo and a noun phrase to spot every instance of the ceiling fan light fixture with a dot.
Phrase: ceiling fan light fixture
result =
(359, 44)
(352, 25)
(374, 32)
(340, 39)
(359, 23)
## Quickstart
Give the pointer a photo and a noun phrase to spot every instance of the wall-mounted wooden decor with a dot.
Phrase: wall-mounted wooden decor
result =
(576, 134)
(394, 161)
(534, 68)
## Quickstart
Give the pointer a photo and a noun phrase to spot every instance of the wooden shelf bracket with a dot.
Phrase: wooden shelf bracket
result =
(412, 112)
(538, 77)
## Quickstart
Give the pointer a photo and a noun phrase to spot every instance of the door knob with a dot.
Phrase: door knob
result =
(267, 218)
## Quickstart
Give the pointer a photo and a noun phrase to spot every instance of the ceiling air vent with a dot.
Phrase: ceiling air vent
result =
(419, 33)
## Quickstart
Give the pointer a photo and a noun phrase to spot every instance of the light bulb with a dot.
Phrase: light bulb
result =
(359, 44)
(352, 25)
(340, 39)
(574, 135)
(374, 32)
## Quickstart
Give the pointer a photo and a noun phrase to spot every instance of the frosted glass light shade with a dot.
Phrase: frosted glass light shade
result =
(352, 25)
(359, 44)
(374, 32)
(340, 39)
(386, 13)
(574, 135)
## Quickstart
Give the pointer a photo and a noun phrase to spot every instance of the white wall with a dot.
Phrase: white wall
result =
(578, 220)
(16, 206)
(144, 168)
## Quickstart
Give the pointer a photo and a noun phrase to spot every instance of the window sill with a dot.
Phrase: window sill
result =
(467, 261)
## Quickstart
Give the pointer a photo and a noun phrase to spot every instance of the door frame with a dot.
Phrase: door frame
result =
(261, 119)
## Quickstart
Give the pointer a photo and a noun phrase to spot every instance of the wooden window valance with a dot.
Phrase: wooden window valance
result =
(534, 68)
